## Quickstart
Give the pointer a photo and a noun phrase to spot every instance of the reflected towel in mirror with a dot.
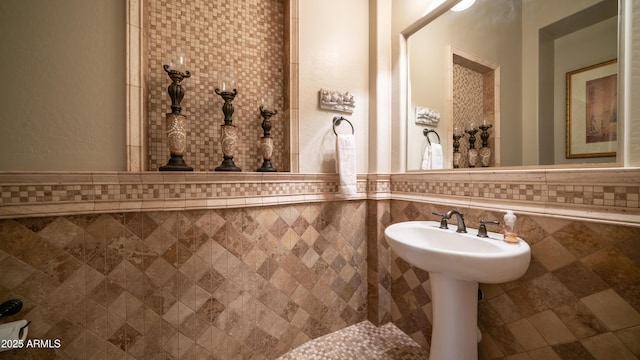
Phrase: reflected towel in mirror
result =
(433, 158)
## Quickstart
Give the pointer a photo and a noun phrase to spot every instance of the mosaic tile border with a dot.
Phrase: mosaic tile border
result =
(605, 195)
(40, 194)
(601, 195)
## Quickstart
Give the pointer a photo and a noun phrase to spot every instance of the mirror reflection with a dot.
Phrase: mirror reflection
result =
(494, 77)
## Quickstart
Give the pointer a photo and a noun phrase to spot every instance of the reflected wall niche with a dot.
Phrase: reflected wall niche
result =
(474, 89)
(240, 40)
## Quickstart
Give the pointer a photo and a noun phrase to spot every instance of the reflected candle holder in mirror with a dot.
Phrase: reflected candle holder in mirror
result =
(266, 142)
(175, 121)
(473, 152)
(485, 150)
(229, 132)
(456, 150)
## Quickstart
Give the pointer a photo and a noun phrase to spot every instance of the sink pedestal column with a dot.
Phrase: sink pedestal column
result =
(455, 318)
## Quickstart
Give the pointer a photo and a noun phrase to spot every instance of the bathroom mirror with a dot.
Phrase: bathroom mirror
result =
(473, 67)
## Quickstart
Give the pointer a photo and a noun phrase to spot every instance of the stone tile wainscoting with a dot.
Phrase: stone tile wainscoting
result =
(233, 283)
(148, 265)
(580, 298)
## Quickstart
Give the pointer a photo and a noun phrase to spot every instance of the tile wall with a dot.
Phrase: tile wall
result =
(580, 298)
(472, 103)
(182, 265)
(378, 260)
(220, 39)
(224, 284)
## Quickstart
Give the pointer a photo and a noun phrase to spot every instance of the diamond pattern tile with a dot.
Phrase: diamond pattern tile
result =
(258, 282)
(580, 286)
(222, 283)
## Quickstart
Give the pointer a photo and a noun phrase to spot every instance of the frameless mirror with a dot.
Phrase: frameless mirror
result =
(507, 65)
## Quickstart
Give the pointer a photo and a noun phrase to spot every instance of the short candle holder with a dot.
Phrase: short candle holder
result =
(266, 142)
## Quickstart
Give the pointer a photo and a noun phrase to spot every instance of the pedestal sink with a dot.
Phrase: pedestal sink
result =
(456, 263)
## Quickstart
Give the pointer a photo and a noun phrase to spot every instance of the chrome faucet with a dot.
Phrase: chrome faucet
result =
(462, 228)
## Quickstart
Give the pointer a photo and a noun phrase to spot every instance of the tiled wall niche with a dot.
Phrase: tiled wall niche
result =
(224, 284)
(243, 40)
(474, 104)
(580, 298)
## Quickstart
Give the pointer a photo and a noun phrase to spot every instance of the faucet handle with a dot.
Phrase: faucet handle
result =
(443, 220)
(482, 229)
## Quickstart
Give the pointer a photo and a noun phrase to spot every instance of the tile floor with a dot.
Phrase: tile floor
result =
(362, 341)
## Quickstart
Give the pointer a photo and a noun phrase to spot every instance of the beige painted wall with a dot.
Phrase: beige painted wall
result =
(538, 14)
(63, 98)
(574, 52)
(334, 54)
(66, 138)
(631, 71)
(380, 81)
(490, 32)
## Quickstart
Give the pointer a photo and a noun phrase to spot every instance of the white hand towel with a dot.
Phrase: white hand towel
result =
(426, 158)
(346, 163)
(432, 157)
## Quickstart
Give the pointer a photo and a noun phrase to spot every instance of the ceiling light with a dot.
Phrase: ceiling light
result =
(463, 5)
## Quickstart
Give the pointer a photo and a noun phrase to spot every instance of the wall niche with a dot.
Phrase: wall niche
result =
(244, 40)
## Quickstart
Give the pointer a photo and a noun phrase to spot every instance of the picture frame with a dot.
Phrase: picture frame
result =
(592, 111)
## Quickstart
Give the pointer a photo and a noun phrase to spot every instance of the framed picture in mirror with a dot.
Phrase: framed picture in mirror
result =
(592, 111)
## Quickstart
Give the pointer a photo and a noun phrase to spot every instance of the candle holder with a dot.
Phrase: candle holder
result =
(473, 152)
(266, 142)
(456, 150)
(176, 123)
(485, 150)
(229, 134)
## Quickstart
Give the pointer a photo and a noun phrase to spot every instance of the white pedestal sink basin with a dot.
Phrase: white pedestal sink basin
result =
(456, 263)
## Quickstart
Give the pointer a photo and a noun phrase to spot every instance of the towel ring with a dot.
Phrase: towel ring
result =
(426, 133)
(337, 120)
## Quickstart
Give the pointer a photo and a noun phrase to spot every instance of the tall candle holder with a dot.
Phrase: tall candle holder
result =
(229, 133)
(473, 152)
(266, 142)
(485, 150)
(176, 122)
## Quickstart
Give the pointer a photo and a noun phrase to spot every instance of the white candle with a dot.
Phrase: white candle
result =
(178, 61)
